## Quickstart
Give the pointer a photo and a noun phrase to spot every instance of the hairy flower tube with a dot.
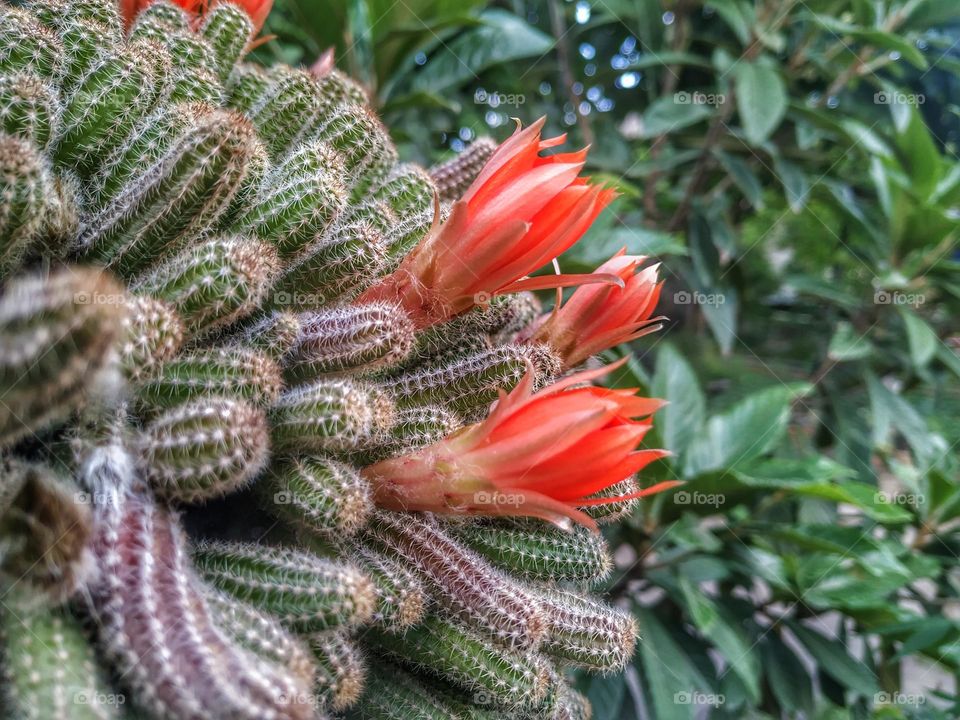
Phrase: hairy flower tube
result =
(538, 454)
(256, 9)
(598, 317)
(521, 211)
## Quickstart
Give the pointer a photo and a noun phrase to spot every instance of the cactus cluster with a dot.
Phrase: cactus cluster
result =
(182, 234)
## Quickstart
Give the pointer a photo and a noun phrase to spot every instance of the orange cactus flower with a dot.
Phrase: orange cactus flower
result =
(522, 211)
(256, 9)
(598, 317)
(538, 454)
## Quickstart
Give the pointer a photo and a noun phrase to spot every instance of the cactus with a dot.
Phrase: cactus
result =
(464, 582)
(204, 449)
(321, 496)
(156, 627)
(330, 415)
(49, 668)
(502, 677)
(349, 340)
(341, 670)
(236, 339)
(539, 552)
(305, 592)
(454, 176)
(57, 337)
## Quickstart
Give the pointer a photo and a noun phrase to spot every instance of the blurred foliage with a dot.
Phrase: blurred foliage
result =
(793, 164)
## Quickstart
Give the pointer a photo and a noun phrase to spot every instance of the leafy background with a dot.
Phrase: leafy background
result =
(793, 166)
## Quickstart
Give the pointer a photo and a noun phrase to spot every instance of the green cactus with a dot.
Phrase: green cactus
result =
(341, 670)
(29, 108)
(204, 449)
(401, 597)
(305, 592)
(505, 678)
(26, 45)
(362, 141)
(227, 29)
(538, 551)
(321, 496)
(152, 335)
(393, 694)
(454, 176)
(24, 196)
(50, 670)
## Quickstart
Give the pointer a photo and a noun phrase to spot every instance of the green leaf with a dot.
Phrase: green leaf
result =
(788, 678)
(666, 115)
(891, 410)
(761, 100)
(738, 15)
(606, 695)
(729, 640)
(878, 38)
(745, 178)
(500, 38)
(667, 668)
(747, 430)
(794, 181)
(834, 659)
(675, 381)
(847, 344)
(922, 339)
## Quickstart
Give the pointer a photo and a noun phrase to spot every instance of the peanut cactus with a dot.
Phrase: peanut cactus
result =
(188, 246)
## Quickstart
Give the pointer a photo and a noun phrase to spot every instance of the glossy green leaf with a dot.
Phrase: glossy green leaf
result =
(761, 100)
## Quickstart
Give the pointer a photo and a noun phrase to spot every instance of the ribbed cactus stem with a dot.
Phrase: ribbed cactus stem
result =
(585, 632)
(204, 449)
(408, 190)
(341, 670)
(617, 510)
(412, 428)
(57, 335)
(49, 668)
(24, 196)
(330, 415)
(363, 143)
(393, 694)
(454, 176)
(507, 679)
(103, 107)
(275, 333)
(46, 526)
(172, 202)
(349, 339)
(152, 335)
(261, 634)
(237, 372)
(26, 45)
(337, 267)
(321, 496)
(29, 108)
(298, 201)
(460, 579)
(228, 29)
(215, 283)
(469, 385)
(401, 597)
(539, 551)
(288, 108)
(163, 13)
(305, 592)
(246, 86)
(336, 88)
(156, 628)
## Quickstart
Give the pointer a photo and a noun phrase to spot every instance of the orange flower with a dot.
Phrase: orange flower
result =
(598, 317)
(522, 211)
(538, 454)
(256, 9)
